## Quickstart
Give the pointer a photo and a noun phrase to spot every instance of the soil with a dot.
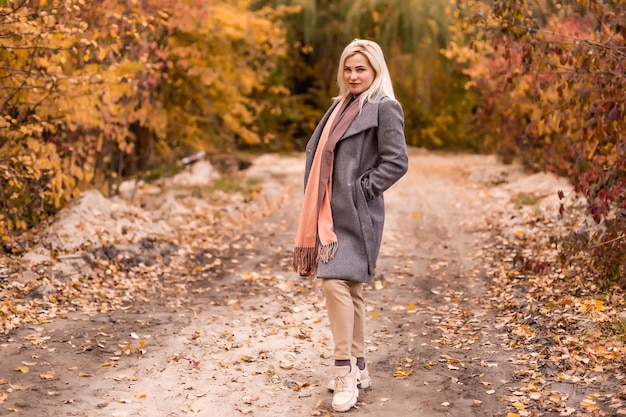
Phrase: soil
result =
(222, 327)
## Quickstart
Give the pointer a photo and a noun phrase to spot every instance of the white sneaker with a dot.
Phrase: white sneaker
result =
(346, 392)
(363, 380)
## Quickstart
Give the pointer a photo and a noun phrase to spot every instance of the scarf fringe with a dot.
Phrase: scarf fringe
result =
(328, 251)
(305, 260)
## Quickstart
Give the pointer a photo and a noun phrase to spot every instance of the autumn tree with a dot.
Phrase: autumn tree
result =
(93, 92)
(551, 94)
(411, 33)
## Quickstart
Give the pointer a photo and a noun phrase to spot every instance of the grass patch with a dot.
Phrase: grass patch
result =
(524, 199)
(234, 185)
(161, 171)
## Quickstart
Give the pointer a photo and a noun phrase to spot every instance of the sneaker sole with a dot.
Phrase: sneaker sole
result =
(347, 407)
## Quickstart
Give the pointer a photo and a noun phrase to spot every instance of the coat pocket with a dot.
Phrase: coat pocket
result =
(364, 185)
(365, 220)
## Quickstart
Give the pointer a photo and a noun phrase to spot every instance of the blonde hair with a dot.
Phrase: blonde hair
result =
(381, 86)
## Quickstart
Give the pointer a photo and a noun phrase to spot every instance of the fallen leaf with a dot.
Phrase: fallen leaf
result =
(47, 375)
(519, 405)
(23, 369)
(589, 404)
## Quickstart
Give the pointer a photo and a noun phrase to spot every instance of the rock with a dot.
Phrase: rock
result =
(201, 173)
(27, 278)
(70, 267)
(38, 255)
(42, 291)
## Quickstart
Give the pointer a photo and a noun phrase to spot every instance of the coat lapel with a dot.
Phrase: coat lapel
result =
(367, 119)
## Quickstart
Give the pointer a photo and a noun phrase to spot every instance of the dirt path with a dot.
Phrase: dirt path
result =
(233, 332)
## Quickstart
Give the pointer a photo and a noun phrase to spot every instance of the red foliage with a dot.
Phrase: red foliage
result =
(555, 98)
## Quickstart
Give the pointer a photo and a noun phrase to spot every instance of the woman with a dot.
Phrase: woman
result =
(356, 152)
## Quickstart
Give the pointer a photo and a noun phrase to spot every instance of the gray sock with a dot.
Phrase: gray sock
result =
(343, 362)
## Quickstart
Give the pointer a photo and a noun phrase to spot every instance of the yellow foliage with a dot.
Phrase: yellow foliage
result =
(88, 87)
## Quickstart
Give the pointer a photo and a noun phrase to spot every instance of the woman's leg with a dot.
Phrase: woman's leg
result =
(358, 333)
(341, 315)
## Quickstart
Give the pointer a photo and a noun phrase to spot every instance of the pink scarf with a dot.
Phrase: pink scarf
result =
(316, 239)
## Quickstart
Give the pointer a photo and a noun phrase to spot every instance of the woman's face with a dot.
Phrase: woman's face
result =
(358, 73)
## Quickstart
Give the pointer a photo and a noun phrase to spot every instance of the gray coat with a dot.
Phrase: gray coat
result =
(369, 158)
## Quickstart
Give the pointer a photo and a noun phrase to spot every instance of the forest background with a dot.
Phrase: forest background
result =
(92, 93)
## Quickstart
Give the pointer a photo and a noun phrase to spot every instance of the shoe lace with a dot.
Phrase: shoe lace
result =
(340, 383)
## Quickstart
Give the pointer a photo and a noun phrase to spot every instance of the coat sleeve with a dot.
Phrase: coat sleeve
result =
(393, 157)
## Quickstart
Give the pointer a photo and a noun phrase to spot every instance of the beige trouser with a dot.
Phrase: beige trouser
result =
(346, 312)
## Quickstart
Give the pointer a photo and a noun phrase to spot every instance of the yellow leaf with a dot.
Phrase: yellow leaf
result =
(589, 404)
(374, 315)
(23, 369)
(599, 306)
(107, 364)
(47, 375)
(415, 216)
(519, 405)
